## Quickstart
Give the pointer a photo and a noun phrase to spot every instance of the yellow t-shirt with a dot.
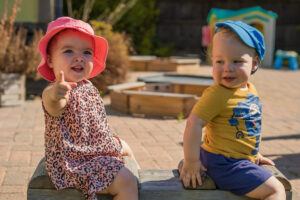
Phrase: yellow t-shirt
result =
(234, 121)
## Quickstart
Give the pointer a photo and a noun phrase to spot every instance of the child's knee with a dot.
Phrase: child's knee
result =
(124, 181)
(271, 188)
(127, 179)
(275, 189)
(278, 187)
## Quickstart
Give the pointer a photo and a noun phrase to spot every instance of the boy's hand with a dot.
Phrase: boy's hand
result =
(191, 172)
(263, 160)
(61, 87)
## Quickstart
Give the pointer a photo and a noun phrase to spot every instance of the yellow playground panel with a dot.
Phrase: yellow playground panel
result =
(263, 20)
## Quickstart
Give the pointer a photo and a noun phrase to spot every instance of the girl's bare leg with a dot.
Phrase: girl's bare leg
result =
(124, 186)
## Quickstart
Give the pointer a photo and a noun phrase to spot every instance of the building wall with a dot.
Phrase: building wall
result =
(181, 22)
(28, 11)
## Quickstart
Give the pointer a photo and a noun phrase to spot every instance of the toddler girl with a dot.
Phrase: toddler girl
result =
(80, 151)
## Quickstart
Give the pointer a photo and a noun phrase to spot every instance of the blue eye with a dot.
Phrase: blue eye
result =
(88, 52)
(68, 51)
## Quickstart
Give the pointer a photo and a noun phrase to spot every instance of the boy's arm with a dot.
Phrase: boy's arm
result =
(55, 96)
(191, 146)
(260, 159)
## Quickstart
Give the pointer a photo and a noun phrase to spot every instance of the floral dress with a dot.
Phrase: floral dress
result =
(80, 151)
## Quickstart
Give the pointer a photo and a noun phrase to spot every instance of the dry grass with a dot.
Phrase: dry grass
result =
(15, 55)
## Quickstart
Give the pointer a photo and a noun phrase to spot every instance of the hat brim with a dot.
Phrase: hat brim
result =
(100, 54)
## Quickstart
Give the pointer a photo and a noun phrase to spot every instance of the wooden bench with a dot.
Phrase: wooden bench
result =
(153, 185)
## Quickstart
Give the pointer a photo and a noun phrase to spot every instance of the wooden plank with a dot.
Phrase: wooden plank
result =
(150, 194)
(65, 194)
(119, 101)
(187, 68)
(138, 65)
(127, 86)
(158, 94)
(165, 184)
(189, 88)
(157, 105)
(162, 66)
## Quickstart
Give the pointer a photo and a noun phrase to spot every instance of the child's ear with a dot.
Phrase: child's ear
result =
(49, 61)
(255, 63)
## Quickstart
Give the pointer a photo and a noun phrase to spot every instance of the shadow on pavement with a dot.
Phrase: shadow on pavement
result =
(283, 137)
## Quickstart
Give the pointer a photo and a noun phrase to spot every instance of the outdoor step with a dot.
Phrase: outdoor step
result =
(153, 185)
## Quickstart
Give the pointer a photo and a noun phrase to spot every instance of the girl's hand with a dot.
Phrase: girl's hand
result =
(263, 160)
(61, 87)
(191, 172)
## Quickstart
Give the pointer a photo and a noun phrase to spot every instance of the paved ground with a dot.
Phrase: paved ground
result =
(156, 142)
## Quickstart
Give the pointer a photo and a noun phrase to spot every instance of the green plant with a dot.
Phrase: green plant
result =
(138, 18)
(140, 24)
(117, 60)
(180, 117)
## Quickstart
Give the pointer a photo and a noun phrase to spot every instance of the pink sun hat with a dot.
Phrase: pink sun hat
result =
(100, 45)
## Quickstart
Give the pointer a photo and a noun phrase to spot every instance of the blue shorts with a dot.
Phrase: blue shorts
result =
(240, 176)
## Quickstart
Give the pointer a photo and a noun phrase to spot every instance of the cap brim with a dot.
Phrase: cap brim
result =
(243, 35)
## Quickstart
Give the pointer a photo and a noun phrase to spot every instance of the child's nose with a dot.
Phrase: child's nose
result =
(79, 58)
(228, 67)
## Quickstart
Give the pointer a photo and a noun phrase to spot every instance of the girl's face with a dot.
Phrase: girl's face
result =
(233, 61)
(71, 52)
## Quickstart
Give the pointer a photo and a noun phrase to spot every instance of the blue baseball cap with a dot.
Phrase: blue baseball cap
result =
(248, 34)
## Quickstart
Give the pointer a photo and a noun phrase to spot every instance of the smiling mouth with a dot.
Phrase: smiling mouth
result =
(228, 79)
(77, 69)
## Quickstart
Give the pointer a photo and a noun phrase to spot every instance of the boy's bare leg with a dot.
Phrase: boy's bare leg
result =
(271, 189)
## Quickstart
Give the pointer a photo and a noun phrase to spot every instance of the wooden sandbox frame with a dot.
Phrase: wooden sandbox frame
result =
(173, 99)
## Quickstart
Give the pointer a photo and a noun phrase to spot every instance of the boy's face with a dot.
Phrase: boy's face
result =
(72, 53)
(232, 61)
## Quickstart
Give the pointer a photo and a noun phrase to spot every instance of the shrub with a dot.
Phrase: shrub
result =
(117, 60)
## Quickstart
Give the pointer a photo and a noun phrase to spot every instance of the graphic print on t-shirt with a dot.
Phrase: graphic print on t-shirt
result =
(250, 112)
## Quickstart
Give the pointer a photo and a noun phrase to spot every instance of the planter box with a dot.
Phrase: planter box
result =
(171, 64)
(175, 64)
(13, 89)
(141, 63)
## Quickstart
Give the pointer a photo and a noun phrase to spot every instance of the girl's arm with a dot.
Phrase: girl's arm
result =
(191, 146)
(55, 96)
